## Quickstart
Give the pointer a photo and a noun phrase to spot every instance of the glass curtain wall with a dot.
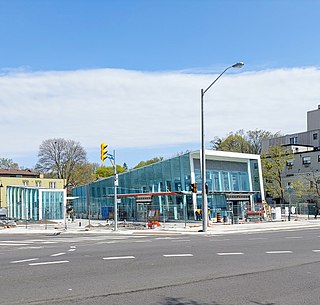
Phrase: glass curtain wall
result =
(165, 176)
(222, 177)
(35, 204)
(172, 175)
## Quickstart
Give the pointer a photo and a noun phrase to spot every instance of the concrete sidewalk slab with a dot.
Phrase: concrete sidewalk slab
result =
(100, 227)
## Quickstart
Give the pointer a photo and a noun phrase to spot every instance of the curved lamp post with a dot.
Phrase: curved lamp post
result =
(203, 166)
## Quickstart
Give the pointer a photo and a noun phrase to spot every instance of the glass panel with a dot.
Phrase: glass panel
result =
(225, 181)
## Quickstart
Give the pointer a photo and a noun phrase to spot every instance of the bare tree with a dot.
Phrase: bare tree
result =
(59, 158)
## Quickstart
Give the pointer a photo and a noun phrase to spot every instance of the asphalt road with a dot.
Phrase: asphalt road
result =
(274, 268)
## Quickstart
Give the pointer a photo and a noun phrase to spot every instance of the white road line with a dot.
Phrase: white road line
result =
(278, 252)
(142, 241)
(164, 238)
(174, 241)
(58, 254)
(177, 255)
(31, 247)
(73, 247)
(257, 238)
(107, 242)
(24, 260)
(119, 238)
(118, 257)
(293, 237)
(48, 263)
(49, 242)
(2, 244)
(315, 250)
(15, 241)
(71, 250)
(229, 253)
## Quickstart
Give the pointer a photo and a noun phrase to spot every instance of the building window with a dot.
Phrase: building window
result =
(52, 185)
(293, 140)
(306, 160)
(38, 183)
(25, 182)
(289, 163)
(315, 136)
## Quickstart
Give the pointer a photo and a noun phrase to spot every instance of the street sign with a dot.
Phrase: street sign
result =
(144, 199)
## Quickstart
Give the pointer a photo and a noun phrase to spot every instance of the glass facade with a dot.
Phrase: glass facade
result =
(35, 203)
(225, 177)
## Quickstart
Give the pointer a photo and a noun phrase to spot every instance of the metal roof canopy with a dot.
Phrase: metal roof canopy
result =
(133, 195)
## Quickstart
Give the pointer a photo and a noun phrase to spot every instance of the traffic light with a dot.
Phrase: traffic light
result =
(104, 151)
(193, 187)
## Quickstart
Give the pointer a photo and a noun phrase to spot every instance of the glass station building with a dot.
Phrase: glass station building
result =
(33, 203)
(234, 184)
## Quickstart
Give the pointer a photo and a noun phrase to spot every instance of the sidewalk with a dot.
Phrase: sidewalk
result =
(101, 227)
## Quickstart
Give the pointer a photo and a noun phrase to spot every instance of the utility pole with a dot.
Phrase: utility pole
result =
(115, 185)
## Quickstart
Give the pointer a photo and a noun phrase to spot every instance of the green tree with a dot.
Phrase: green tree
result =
(148, 162)
(273, 167)
(243, 142)
(308, 186)
(108, 171)
(8, 164)
(84, 173)
(235, 143)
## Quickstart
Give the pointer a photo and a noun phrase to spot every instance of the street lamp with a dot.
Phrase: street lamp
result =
(203, 166)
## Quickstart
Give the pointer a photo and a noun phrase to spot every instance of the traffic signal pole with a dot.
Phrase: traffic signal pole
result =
(104, 155)
(115, 192)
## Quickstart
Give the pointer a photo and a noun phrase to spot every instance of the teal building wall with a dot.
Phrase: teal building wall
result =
(234, 180)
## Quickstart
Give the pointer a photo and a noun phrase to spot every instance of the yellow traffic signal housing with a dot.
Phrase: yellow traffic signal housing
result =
(103, 151)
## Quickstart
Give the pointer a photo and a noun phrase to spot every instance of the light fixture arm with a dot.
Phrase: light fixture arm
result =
(204, 91)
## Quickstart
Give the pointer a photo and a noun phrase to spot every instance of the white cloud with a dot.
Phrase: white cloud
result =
(138, 109)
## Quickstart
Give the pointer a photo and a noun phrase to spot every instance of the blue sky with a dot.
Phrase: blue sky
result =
(142, 63)
(157, 35)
